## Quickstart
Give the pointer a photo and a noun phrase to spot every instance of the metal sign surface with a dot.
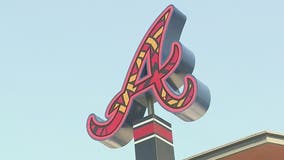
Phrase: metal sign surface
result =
(160, 67)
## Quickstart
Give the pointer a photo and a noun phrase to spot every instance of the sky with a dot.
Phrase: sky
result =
(62, 60)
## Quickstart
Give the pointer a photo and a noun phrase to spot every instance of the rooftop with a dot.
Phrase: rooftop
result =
(260, 146)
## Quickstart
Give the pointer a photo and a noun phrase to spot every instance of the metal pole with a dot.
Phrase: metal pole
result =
(150, 104)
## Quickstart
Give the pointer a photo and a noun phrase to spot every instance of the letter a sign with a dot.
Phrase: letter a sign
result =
(161, 69)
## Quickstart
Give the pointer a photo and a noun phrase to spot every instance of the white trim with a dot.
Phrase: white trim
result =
(152, 136)
(149, 120)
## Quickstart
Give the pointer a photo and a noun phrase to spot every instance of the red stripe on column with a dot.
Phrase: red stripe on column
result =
(150, 129)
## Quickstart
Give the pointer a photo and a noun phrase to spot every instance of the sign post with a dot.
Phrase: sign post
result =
(160, 68)
(153, 139)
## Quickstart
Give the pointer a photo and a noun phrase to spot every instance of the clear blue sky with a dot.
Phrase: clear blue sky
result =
(62, 60)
